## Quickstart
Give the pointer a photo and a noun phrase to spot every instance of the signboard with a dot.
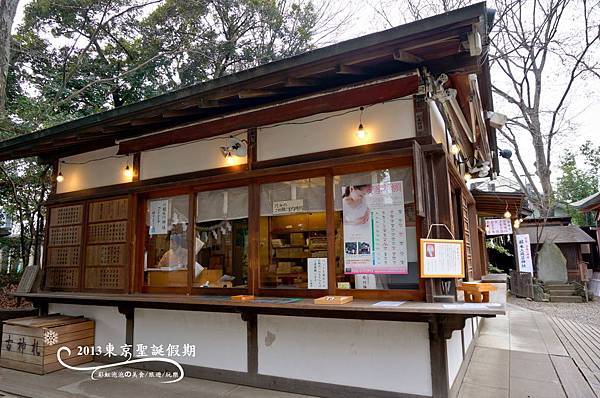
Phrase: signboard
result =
(365, 281)
(374, 229)
(159, 214)
(524, 253)
(317, 273)
(288, 206)
(442, 258)
(498, 226)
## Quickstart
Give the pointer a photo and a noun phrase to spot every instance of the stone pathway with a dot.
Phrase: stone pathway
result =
(521, 355)
(71, 384)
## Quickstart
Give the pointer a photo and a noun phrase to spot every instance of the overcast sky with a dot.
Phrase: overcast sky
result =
(584, 104)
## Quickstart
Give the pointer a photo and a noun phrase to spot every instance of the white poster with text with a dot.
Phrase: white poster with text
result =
(374, 229)
(524, 253)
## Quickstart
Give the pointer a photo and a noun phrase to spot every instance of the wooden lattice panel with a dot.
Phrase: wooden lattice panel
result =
(67, 215)
(108, 210)
(62, 278)
(106, 255)
(63, 256)
(105, 278)
(107, 232)
(64, 236)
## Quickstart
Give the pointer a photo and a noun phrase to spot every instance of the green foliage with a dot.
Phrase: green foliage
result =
(490, 244)
(577, 183)
(78, 57)
(11, 278)
(74, 58)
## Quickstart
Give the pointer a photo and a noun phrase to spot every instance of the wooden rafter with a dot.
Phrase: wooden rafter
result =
(349, 70)
(406, 57)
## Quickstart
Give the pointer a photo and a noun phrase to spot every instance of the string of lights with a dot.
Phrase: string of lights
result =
(227, 151)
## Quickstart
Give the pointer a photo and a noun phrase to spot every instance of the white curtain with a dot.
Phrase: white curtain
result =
(224, 204)
(310, 190)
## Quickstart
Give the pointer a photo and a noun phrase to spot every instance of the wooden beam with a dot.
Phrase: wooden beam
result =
(183, 112)
(221, 103)
(349, 70)
(406, 57)
(146, 121)
(332, 101)
(302, 82)
(254, 93)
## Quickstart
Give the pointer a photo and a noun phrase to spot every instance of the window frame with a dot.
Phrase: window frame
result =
(253, 178)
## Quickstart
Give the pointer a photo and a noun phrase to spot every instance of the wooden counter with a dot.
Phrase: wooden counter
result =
(358, 309)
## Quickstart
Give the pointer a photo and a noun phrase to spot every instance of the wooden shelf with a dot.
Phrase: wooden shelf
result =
(290, 231)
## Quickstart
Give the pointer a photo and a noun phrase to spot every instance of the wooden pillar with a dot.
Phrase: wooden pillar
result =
(440, 386)
(251, 341)
(137, 161)
(129, 312)
(438, 207)
(252, 157)
(422, 119)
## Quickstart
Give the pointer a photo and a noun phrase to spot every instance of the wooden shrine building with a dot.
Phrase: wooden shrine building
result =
(255, 184)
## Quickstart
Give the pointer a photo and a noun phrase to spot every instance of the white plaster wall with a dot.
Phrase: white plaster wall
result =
(438, 126)
(110, 324)
(194, 156)
(383, 122)
(391, 356)
(455, 355)
(220, 339)
(93, 174)
(468, 333)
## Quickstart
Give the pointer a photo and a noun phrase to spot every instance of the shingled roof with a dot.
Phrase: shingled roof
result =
(556, 234)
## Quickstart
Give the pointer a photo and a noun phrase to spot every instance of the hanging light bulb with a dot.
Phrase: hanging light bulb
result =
(60, 177)
(507, 214)
(467, 176)
(128, 172)
(454, 149)
(361, 133)
(517, 224)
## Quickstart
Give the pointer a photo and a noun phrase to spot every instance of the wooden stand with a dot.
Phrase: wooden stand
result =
(477, 292)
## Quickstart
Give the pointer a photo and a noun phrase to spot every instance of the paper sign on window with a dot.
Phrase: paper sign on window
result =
(159, 214)
(442, 258)
(374, 229)
(317, 273)
(288, 206)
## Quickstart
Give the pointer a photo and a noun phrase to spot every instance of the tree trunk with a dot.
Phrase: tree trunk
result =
(8, 8)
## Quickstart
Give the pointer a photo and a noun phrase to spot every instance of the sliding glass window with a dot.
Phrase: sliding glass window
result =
(221, 238)
(293, 235)
(166, 243)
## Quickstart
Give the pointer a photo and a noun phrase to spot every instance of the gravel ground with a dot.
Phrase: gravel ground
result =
(578, 312)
